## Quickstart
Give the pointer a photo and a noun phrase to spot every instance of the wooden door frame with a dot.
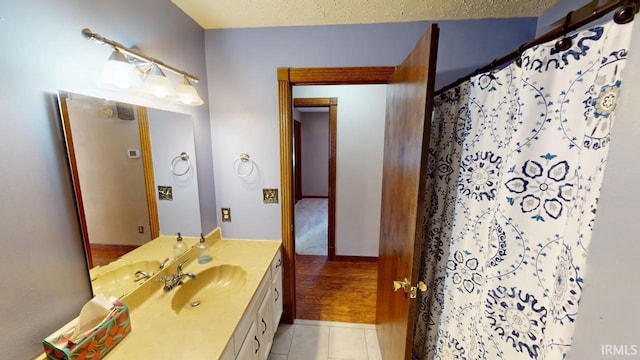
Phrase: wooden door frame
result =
(332, 104)
(149, 174)
(297, 165)
(288, 77)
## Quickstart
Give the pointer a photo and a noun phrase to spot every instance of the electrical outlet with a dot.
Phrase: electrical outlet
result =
(140, 229)
(270, 196)
(226, 214)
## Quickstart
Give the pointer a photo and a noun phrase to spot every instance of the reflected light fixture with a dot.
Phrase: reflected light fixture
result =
(130, 69)
(187, 94)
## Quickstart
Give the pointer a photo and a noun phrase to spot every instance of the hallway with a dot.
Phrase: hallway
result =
(311, 217)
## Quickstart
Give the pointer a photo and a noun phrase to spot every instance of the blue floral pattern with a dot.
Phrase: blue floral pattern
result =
(541, 189)
(516, 161)
(479, 175)
(518, 319)
(464, 272)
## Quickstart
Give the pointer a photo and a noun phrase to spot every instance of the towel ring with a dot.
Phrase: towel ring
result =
(237, 165)
(184, 157)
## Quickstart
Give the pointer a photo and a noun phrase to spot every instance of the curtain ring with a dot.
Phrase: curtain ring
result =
(626, 12)
(184, 157)
(237, 165)
(565, 43)
(519, 58)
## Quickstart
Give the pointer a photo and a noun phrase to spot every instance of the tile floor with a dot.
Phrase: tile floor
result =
(325, 340)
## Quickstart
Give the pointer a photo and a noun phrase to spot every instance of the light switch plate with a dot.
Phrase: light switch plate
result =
(270, 196)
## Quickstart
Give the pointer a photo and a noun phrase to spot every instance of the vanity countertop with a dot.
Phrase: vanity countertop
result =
(158, 332)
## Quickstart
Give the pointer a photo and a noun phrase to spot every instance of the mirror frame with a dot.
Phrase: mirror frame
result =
(147, 165)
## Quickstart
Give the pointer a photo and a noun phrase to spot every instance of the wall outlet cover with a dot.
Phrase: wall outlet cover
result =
(270, 196)
(226, 214)
(165, 193)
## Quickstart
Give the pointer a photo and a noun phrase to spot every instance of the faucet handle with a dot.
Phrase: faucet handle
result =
(182, 264)
(163, 263)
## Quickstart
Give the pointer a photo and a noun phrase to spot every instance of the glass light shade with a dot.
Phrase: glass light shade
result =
(119, 72)
(157, 84)
(187, 94)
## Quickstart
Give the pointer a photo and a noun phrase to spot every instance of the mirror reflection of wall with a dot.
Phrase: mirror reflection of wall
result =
(171, 135)
(118, 203)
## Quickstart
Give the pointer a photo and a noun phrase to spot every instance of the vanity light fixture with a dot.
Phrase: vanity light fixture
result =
(157, 84)
(124, 62)
(187, 94)
(119, 72)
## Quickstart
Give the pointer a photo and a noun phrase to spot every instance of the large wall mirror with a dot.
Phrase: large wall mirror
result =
(134, 174)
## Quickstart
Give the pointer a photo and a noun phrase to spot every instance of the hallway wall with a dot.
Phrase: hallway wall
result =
(315, 153)
(359, 157)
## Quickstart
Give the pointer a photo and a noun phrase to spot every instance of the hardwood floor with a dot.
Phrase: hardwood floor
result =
(104, 254)
(342, 291)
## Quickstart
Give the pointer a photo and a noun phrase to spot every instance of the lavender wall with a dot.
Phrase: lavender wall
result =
(241, 67)
(315, 153)
(45, 280)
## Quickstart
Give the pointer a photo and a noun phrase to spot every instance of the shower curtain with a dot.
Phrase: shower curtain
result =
(516, 161)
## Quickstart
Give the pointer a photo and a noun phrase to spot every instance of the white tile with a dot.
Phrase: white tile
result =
(273, 356)
(373, 347)
(282, 339)
(347, 343)
(309, 343)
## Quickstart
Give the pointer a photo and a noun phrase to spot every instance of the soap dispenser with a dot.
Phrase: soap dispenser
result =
(204, 254)
(179, 247)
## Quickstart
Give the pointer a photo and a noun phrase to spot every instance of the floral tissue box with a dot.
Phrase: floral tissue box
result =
(96, 343)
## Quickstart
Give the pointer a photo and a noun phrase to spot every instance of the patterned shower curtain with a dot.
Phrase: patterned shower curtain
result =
(516, 161)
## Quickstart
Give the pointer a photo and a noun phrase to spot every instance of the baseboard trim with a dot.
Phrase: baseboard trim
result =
(113, 247)
(356, 258)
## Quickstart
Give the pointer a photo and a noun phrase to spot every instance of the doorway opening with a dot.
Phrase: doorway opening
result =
(289, 77)
(409, 101)
(314, 140)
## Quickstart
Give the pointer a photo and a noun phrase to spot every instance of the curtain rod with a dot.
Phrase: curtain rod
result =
(625, 11)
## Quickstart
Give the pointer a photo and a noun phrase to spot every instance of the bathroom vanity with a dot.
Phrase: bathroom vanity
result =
(229, 310)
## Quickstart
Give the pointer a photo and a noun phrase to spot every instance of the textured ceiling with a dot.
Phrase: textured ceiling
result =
(221, 14)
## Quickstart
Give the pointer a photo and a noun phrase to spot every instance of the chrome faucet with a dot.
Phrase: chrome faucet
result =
(173, 280)
(141, 275)
(163, 263)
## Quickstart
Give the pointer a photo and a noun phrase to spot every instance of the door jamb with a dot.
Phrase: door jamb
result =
(288, 77)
